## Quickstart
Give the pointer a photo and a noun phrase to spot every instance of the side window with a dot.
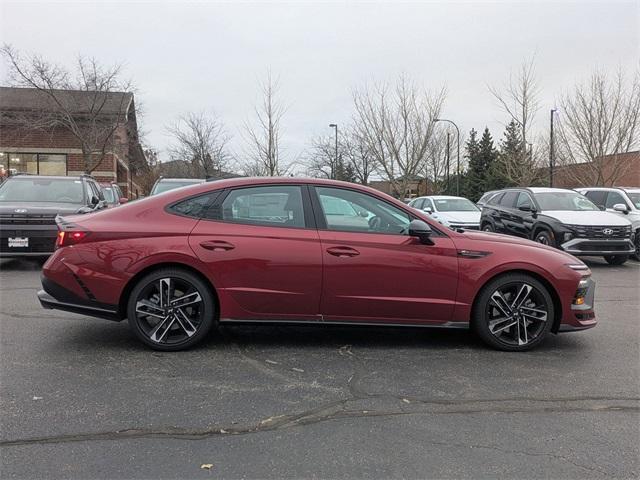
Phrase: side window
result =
(274, 206)
(597, 197)
(418, 203)
(495, 199)
(614, 198)
(524, 200)
(508, 199)
(194, 206)
(428, 204)
(346, 210)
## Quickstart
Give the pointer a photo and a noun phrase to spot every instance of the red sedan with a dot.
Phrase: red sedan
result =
(306, 251)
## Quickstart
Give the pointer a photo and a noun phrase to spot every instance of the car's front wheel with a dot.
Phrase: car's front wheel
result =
(544, 237)
(616, 259)
(513, 312)
(170, 309)
(487, 227)
(636, 255)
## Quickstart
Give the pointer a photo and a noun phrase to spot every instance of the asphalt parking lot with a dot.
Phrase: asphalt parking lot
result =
(80, 398)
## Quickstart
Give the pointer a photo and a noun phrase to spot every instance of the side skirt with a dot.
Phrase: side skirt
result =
(459, 325)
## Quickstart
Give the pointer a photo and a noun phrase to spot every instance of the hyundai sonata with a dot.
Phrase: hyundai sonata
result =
(305, 251)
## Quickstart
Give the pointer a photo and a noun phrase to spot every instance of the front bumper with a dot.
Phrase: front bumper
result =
(581, 317)
(42, 240)
(585, 246)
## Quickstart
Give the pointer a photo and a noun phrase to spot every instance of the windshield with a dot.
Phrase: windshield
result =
(454, 205)
(564, 201)
(109, 195)
(166, 186)
(635, 198)
(55, 190)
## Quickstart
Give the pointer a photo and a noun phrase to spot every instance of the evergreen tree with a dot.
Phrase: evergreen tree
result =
(514, 166)
(473, 150)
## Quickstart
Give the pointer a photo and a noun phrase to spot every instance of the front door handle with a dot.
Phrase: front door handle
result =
(217, 245)
(343, 251)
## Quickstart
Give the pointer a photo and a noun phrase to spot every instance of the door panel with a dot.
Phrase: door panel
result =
(391, 278)
(261, 255)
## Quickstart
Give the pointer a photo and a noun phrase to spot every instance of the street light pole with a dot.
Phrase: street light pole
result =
(551, 152)
(333, 174)
(457, 150)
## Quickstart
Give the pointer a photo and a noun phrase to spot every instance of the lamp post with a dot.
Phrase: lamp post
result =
(457, 150)
(551, 152)
(335, 168)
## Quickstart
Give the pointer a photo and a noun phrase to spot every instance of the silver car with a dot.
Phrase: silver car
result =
(624, 201)
(452, 212)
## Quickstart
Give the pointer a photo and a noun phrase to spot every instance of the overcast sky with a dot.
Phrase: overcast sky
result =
(190, 56)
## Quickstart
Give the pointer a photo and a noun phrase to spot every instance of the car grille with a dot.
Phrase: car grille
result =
(32, 219)
(474, 226)
(598, 232)
(39, 241)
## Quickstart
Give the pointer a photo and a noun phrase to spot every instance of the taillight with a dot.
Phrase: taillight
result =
(66, 238)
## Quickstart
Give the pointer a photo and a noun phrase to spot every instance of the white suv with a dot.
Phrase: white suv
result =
(624, 201)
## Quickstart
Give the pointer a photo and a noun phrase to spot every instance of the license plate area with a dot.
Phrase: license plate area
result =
(18, 242)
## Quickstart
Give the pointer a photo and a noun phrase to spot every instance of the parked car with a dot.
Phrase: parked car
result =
(452, 212)
(485, 198)
(166, 184)
(560, 218)
(113, 194)
(268, 250)
(29, 205)
(624, 201)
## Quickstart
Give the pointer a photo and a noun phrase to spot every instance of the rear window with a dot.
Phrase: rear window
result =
(55, 190)
(166, 186)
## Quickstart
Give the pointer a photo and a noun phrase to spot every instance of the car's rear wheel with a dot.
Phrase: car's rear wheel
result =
(171, 309)
(616, 259)
(513, 312)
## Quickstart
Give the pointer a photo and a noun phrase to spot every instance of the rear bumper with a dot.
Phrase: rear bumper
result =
(585, 246)
(54, 296)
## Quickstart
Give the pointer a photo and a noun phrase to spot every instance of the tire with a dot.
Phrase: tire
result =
(616, 259)
(488, 228)
(506, 320)
(545, 237)
(636, 256)
(171, 309)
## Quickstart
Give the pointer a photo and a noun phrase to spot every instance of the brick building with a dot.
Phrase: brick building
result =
(32, 141)
(620, 169)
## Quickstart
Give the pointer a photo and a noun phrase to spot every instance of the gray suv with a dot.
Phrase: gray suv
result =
(624, 201)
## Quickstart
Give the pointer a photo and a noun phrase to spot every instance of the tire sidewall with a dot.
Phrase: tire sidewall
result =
(208, 306)
(544, 232)
(480, 322)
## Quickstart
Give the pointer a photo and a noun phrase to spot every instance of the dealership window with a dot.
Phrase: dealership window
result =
(34, 163)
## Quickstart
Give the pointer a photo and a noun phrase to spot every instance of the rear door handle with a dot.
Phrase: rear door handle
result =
(343, 251)
(217, 245)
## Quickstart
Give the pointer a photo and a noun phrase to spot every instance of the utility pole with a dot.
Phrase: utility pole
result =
(448, 158)
(551, 152)
(335, 168)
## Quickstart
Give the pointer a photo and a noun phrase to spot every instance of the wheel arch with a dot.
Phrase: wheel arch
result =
(126, 291)
(557, 304)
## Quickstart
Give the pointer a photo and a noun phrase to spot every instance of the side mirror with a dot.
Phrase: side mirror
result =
(427, 209)
(124, 200)
(420, 229)
(95, 200)
(527, 208)
(621, 207)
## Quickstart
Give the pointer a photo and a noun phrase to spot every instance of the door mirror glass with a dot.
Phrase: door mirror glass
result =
(428, 209)
(95, 200)
(422, 230)
(621, 207)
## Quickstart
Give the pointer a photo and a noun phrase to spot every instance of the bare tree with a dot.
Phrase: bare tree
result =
(322, 159)
(396, 125)
(94, 120)
(435, 170)
(598, 118)
(357, 155)
(263, 136)
(201, 140)
(519, 99)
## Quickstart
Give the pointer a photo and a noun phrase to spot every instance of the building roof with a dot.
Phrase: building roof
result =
(76, 101)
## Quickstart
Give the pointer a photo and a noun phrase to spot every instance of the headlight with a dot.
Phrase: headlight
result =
(581, 291)
(567, 236)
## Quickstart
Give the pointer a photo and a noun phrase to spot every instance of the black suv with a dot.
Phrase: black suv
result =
(561, 218)
(29, 205)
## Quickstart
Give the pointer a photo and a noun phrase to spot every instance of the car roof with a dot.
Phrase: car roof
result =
(49, 177)
(194, 180)
(443, 197)
(547, 190)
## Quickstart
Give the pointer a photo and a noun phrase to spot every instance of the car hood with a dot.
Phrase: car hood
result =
(589, 218)
(462, 217)
(38, 208)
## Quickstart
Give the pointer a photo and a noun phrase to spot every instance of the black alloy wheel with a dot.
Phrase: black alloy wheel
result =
(545, 238)
(488, 228)
(514, 312)
(616, 259)
(170, 310)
